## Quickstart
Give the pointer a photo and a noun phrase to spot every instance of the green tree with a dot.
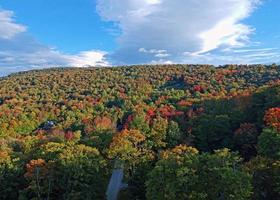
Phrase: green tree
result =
(11, 172)
(219, 176)
(66, 171)
(173, 134)
(139, 123)
(269, 143)
(212, 132)
(173, 175)
(127, 146)
(158, 132)
(183, 174)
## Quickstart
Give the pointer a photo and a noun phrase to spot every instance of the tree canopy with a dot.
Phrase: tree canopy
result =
(180, 132)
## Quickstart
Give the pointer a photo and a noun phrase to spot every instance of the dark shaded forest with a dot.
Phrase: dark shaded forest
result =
(181, 131)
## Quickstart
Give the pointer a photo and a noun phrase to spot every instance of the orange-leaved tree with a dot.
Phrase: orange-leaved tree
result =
(272, 118)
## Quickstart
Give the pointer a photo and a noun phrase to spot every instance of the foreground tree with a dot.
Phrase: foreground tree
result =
(172, 177)
(183, 174)
(266, 178)
(10, 175)
(219, 176)
(66, 171)
(128, 147)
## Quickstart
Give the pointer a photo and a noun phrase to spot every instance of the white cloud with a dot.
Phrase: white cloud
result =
(88, 58)
(161, 61)
(153, 1)
(195, 26)
(8, 28)
(155, 52)
(20, 51)
(228, 30)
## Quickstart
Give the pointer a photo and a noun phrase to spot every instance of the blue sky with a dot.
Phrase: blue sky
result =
(69, 25)
(38, 33)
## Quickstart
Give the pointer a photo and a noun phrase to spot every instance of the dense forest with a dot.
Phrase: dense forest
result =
(195, 132)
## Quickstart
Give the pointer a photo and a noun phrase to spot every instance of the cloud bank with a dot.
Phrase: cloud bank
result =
(177, 28)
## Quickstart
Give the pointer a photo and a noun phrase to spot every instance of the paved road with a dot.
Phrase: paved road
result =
(115, 184)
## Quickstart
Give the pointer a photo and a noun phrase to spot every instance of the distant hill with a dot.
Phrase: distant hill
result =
(61, 130)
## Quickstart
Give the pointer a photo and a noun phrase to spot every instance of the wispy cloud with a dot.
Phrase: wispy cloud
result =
(234, 56)
(8, 28)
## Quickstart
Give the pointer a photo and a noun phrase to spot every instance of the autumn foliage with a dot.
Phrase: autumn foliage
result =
(178, 132)
(272, 118)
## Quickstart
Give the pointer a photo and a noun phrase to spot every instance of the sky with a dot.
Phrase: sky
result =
(37, 34)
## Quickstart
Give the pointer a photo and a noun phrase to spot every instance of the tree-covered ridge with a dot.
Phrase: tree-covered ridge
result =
(182, 132)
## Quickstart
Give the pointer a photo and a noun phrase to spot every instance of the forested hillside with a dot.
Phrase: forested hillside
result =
(180, 131)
